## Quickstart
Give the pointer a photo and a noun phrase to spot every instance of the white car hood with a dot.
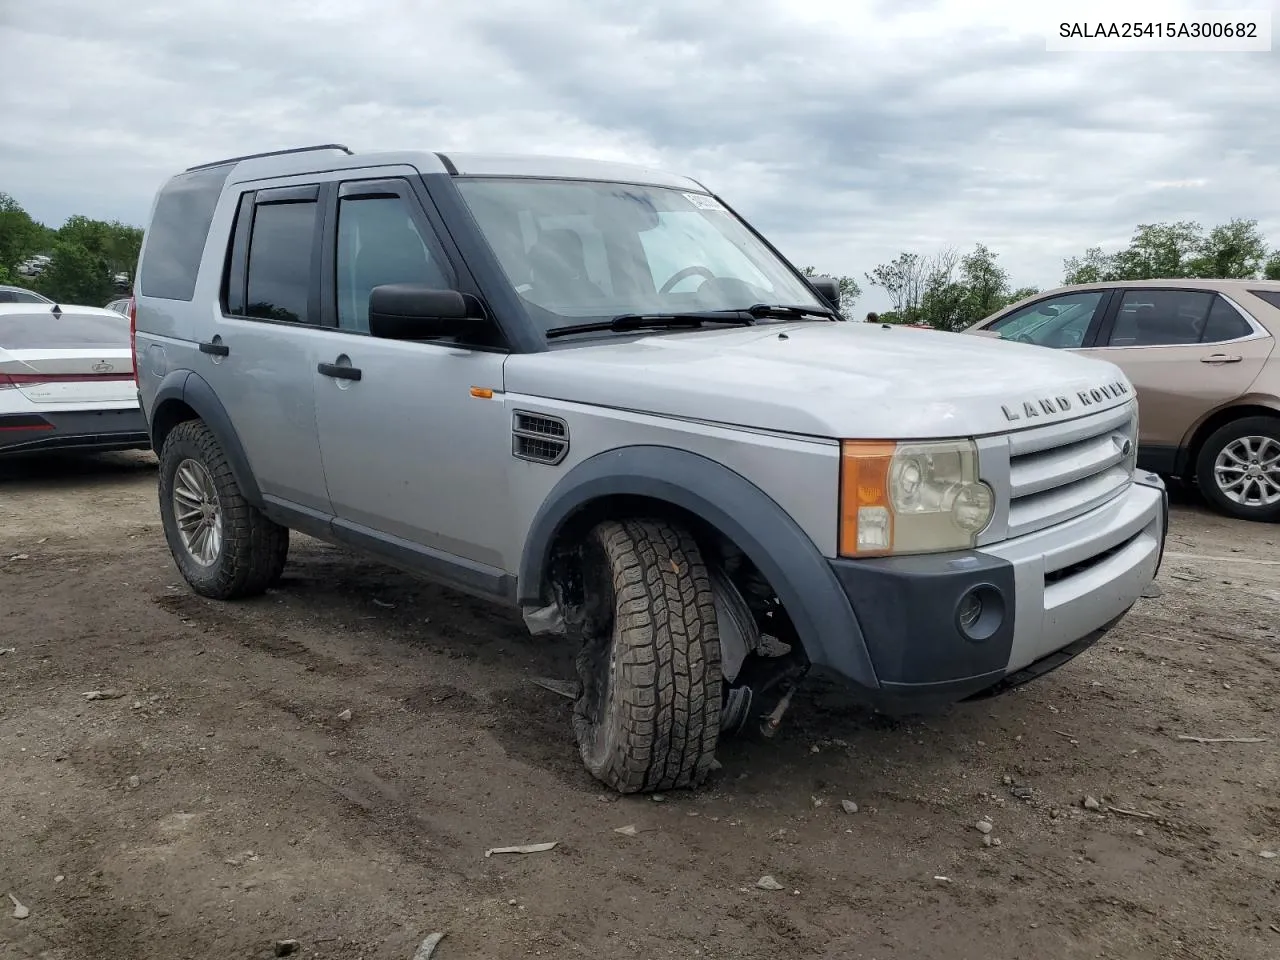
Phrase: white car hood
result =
(852, 380)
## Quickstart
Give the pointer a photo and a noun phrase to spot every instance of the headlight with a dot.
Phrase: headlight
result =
(911, 497)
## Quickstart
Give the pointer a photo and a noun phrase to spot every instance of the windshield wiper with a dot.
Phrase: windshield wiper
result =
(787, 311)
(656, 321)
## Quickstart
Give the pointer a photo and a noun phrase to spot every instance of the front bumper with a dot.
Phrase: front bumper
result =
(87, 430)
(1045, 598)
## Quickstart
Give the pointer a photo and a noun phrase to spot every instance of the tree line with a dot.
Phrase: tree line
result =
(85, 256)
(950, 290)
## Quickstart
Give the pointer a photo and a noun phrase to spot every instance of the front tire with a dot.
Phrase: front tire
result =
(224, 547)
(1238, 469)
(648, 717)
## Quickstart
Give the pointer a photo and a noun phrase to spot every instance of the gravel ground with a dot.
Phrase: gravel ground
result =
(226, 801)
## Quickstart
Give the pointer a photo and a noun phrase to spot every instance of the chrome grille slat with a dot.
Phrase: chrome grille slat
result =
(1063, 470)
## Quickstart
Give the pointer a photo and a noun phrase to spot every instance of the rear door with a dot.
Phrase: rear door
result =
(1186, 352)
(259, 355)
(67, 358)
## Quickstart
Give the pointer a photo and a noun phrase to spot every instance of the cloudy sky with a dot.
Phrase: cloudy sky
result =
(848, 130)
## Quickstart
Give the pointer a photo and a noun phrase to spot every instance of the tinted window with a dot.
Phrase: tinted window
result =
(1154, 318)
(1224, 323)
(68, 332)
(1270, 296)
(177, 233)
(378, 243)
(279, 272)
(1060, 321)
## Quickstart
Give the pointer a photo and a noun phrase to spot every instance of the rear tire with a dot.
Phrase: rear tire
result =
(648, 717)
(224, 547)
(1238, 469)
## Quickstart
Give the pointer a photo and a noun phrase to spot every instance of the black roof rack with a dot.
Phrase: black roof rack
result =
(273, 153)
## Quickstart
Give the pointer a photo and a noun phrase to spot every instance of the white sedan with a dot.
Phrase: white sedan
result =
(66, 380)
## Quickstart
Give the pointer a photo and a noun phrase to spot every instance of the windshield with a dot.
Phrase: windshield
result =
(578, 250)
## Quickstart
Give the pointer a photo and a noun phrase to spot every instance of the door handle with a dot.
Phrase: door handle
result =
(215, 349)
(339, 372)
(1220, 358)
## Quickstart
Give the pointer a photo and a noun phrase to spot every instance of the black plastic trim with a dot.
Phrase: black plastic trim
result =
(193, 390)
(448, 164)
(215, 349)
(908, 609)
(302, 193)
(476, 579)
(803, 579)
(273, 153)
(1159, 458)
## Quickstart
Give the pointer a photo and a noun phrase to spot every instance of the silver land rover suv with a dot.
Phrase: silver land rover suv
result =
(591, 391)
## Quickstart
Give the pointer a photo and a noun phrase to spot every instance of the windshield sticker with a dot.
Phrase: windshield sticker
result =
(703, 202)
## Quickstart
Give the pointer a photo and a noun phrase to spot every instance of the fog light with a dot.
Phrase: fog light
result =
(970, 611)
(980, 612)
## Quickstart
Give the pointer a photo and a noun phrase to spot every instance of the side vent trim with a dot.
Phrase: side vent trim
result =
(539, 438)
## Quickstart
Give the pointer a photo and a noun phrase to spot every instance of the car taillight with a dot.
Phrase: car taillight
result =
(133, 335)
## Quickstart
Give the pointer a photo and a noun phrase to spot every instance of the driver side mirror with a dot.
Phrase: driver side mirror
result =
(828, 289)
(415, 311)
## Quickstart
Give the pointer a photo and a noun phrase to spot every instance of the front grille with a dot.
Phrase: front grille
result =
(1067, 469)
(538, 437)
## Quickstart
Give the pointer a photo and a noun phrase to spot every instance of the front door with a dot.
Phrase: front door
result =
(416, 450)
(258, 356)
(1187, 352)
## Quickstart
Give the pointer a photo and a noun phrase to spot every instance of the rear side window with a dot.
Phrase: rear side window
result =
(1161, 318)
(279, 272)
(1269, 296)
(20, 296)
(45, 332)
(177, 233)
(1224, 323)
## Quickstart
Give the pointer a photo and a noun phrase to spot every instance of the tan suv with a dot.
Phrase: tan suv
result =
(1200, 353)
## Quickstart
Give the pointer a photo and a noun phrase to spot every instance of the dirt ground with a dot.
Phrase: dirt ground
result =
(223, 804)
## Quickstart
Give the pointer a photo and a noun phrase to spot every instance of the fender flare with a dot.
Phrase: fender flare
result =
(801, 576)
(191, 389)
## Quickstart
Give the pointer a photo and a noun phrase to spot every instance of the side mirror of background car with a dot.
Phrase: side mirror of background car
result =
(828, 289)
(415, 311)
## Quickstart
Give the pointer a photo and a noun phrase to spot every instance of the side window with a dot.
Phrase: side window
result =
(1224, 323)
(280, 274)
(1160, 318)
(1061, 321)
(177, 233)
(379, 243)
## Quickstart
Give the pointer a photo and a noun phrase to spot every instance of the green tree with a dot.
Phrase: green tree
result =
(75, 275)
(903, 280)
(849, 289)
(1235, 250)
(20, 236)
(1272, 270)
(1094, 267)
(1161, 250)
(115, 243)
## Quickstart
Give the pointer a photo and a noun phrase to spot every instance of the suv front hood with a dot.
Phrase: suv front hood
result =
(825, 379)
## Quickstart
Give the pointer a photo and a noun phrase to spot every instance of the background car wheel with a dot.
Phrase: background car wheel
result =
(648, 717)
(1238, 469)
(224, 547)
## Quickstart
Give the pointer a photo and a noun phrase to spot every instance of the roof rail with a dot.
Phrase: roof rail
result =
(272, 153)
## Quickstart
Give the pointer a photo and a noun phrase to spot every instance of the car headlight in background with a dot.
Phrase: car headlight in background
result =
(916, 497)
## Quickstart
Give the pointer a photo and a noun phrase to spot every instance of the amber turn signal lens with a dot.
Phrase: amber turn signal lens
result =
(866, 518)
